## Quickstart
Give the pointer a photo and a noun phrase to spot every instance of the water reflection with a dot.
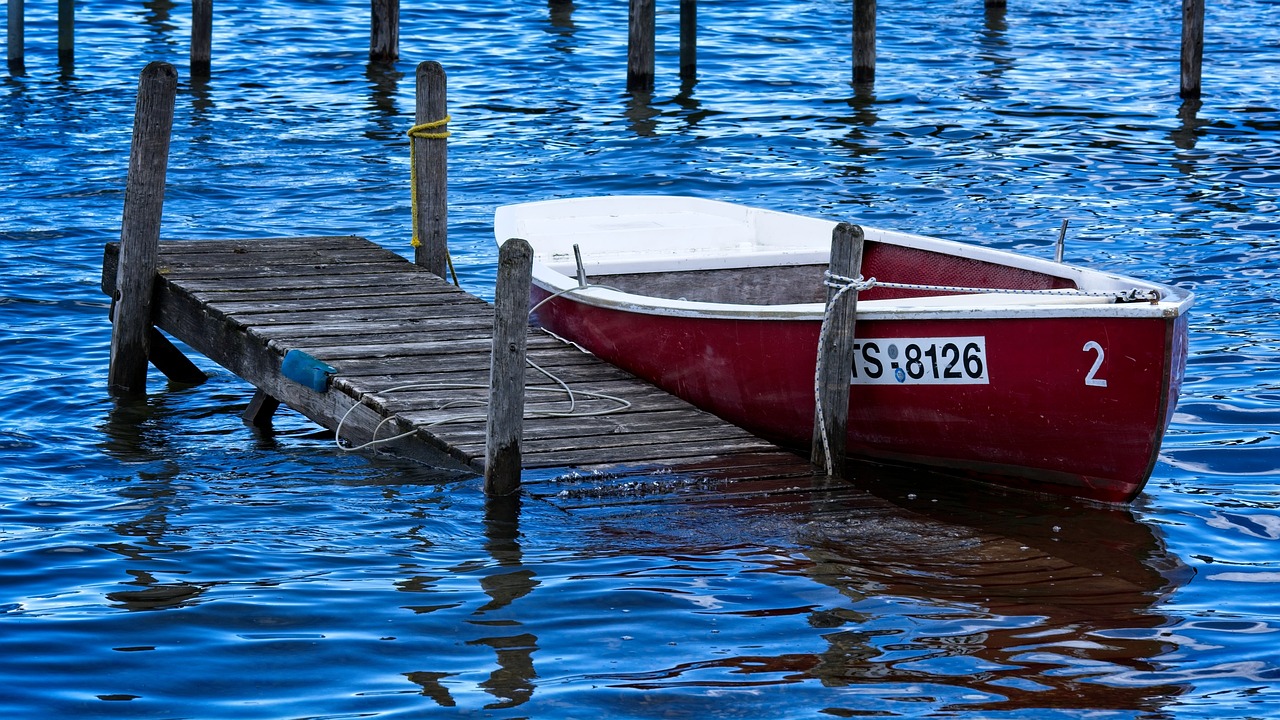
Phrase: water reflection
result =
(859, 140)
(560, 14)
(994, 601)
(384, 81)
(1188, 130)
(144, 537)
(641, 114)
(505, 580)
(994, 45)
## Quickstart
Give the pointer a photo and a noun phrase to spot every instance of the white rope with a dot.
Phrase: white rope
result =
(837, 281)
(842, 285)
(571, 411)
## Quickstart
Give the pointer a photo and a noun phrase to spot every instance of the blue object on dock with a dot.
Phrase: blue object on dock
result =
(304, 369)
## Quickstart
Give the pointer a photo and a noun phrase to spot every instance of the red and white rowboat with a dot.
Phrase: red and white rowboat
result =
(1003, 367)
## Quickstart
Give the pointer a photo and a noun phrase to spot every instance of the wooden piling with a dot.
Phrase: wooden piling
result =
(991, 4)
(864, 41)
(1192, 46)
(688, 39)
(140, 229)
(835, 354)
(640, 45)
(507, 368)
(384, 31)
(201, 37)
(66, 32)
(16, 42)
(431, 161)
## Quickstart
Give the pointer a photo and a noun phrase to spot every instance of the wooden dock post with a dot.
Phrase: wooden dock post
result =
(66, 32)
(430, 172)
(384, 31)
(16, 42)
(1192, 46)
(640, 45)
(201, 37)
(140, 229)
(502, 461)
(835, 354)
(688, 39)
(864, 41)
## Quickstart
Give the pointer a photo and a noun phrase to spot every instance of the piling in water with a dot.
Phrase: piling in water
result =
(66, 32)
(430, 172)
(835, 354)
(16, 41)
(640, 46)
(140, 229)
(1192, 46)
(864, 41)
(201, 37)
(384, 31)
(688, 39)
(506, 368)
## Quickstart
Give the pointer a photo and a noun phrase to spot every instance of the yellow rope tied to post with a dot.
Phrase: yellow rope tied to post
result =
(425, 131)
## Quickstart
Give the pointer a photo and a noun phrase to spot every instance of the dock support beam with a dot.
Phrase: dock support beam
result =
(384, 31)
(1192, 47)
(430, 172)
(835, 354)
(502, 457)
(640, 45)
(864, 41)
(140, 229)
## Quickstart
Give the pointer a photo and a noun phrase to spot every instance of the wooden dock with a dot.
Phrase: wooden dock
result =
(409, 355)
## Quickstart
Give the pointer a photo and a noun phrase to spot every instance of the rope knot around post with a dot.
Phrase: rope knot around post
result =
(422, 131)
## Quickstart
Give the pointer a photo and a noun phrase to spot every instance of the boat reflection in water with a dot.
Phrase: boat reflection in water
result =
(956, 596)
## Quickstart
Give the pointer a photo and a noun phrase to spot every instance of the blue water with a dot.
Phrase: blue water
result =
(161, 559)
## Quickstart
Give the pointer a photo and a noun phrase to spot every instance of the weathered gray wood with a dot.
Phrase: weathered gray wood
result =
(66, 32)
(140, 229)
(16, 42)
(431, 161)
(250, 337)
(864, 41)
(1192, 46)
(688, 39)
(260, 410)
(384, 31)
(201, 37)
(502, 462)
(641, 27)
(835, 354)
(169, 360)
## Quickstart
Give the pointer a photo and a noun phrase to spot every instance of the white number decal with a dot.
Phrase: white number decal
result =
(1091, 379)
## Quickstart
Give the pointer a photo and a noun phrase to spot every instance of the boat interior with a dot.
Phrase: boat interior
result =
(799, 284)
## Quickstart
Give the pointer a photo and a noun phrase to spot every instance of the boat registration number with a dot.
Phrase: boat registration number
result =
(920, 361)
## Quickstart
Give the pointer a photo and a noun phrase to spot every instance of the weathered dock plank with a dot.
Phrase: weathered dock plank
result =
(410, 355)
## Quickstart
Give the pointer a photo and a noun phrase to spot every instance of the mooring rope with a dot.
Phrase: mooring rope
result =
(1134, 293)
(572, 411)
(842, 285)
(425, 131)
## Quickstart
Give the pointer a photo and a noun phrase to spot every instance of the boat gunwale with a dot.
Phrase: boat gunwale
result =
(1173, 303)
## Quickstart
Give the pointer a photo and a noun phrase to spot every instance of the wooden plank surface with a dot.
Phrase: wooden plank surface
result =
(411, 354)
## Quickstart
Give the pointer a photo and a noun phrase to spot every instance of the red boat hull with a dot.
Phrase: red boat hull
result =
(1069, 405)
